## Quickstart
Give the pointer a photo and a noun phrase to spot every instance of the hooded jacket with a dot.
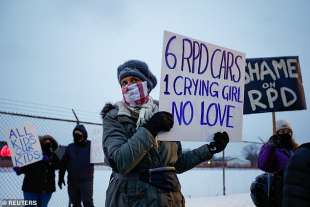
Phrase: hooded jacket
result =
(76, 160)
(130, 150)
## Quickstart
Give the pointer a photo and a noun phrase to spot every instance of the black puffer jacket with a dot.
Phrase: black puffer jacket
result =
(296, 191)
(40, 176)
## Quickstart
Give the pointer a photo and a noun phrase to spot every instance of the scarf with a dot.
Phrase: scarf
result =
(143, 113)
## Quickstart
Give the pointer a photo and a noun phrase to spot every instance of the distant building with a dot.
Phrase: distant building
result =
(229, 162)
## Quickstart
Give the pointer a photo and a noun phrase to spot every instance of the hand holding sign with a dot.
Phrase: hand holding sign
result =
(161, 121)
(220, 142)
(18, 170)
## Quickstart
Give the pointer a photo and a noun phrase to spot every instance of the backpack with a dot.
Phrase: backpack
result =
(266, 190)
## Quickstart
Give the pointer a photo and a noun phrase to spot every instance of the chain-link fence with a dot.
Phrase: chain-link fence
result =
(61, 130)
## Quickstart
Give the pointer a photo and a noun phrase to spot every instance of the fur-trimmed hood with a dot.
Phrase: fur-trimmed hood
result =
(106, 109)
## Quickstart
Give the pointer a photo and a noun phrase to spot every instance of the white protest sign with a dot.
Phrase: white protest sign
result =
(96, 151)
(24, 145)
(202, 85)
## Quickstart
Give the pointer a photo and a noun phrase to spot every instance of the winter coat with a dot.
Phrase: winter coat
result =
(273, 159)
(40, 176)
(296, 188)
(76, 161)
(130, 150)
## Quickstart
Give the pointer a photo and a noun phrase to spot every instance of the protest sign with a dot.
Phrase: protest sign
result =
(273, 84)
(96, 151)
(24, 145)
(202, 85)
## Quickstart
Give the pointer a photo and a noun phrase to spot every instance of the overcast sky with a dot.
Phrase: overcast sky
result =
(65, 53)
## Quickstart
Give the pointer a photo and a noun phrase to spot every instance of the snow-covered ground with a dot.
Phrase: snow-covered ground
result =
(200, 187)
(234, 200)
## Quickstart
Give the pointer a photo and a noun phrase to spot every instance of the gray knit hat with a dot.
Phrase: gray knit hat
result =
(139, 69)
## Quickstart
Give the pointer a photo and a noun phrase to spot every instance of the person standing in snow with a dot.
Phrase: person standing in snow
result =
(144, 169)
(274, 156)
(76, 161)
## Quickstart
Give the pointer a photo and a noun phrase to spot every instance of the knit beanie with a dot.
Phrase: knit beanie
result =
(139, 69)
(283, 124)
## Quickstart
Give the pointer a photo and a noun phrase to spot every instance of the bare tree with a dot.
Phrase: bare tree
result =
(250, 152)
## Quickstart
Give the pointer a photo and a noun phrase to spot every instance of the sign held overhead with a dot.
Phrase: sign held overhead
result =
(273, 84)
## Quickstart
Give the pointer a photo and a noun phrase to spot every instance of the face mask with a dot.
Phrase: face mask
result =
(285, 140)
(136, 94)
(47, 147)
(78, 138)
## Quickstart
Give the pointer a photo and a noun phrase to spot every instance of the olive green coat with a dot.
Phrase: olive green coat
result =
(128, 150)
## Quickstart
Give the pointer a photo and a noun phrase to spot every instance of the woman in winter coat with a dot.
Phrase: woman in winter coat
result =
(39, 180)
(274, 156)
(144, 169)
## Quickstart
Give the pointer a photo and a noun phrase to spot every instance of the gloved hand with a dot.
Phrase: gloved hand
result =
(17, 170)
(60, 182)
(221, 139)
(161, 121)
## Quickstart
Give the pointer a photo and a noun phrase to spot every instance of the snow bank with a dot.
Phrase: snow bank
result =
(234, 200)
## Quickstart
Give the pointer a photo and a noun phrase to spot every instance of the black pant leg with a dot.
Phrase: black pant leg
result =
(87, 193)
(74, 194)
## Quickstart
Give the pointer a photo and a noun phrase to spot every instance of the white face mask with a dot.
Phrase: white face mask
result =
(136, 94)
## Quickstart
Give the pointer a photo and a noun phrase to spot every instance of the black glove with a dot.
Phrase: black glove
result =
(161, 121)
(221, 139)
(60, 182)
(18, 170)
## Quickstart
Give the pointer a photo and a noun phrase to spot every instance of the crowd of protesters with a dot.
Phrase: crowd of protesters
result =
(39, 180)
(144, 169)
